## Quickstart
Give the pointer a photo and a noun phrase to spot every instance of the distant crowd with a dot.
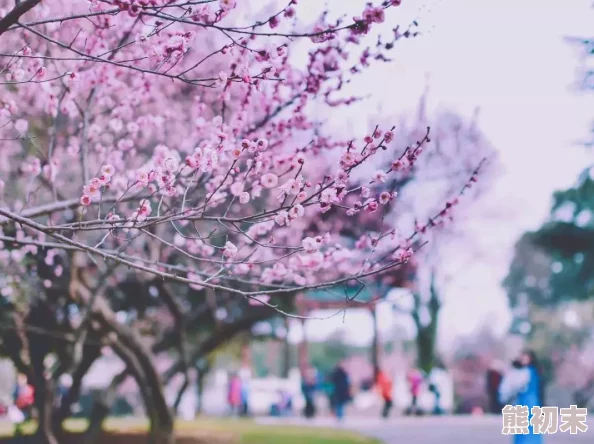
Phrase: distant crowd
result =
(339, 390)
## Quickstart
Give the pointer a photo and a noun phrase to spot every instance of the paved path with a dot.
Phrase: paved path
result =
(442, 430)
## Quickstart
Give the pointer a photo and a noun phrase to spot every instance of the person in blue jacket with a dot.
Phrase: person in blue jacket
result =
(524, 385)
(342, 390)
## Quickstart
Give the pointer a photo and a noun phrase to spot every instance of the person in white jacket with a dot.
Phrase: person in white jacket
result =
(514, 382)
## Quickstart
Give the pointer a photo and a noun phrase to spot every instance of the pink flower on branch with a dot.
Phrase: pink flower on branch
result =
(174, 146)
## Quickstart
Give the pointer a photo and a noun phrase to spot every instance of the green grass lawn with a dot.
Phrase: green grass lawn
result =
(225, 431)
(249, 433)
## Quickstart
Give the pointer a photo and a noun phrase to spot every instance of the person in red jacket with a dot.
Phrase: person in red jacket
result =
(383, 385)
(24, 398)
(415, 380)
(234, 395)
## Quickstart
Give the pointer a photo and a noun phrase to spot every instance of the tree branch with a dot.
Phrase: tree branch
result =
(18, 11)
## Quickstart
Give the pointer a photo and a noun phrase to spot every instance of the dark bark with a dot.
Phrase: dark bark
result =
(201, 373)
(101, 407)
(375, 339)
(44, 402)
(303, 351)
(286, 363)
(16, 13)
(90, 355)
(138, 360)
(180, 393)
(427, 333)
(140, 364)
(181, 339)
(39, 347)
(220, 337)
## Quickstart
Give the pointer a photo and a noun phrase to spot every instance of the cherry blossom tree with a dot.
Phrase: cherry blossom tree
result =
(151, 141)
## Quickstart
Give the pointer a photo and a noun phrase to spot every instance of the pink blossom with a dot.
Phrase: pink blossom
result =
(237, 188)
(363, 242)
(269, 180)
(291, 187)
(21, 125)
(259, 300)
(92, 190)
(403, 255)
(386, 197)
(41, 72)
(108, 170)
(301, 196)
(380, 177)
(372, 206)
(348, 159)
(299, 280)
(170, 191)
(244, 197)
(173, 152)
(192, 162)
(328, 195)
(227, 4)
(309, 244)
(296, 211)
(262, 144)
(142, 178)
(236, 152)
(398, 165)
(230, 250)
(145, 207)
(282, 218)
(195, 277)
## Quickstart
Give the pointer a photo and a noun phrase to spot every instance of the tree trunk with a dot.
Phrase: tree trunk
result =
(39, 347)
(286, 345)
(101, 407)
(180, 393)
(139, 362)
(45, 405)
(427, 334)
(72, 396)
(375, 349)
(425, 348)
(141, 367)
(303, 351)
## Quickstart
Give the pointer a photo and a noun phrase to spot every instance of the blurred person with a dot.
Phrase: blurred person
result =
(523, 385)
(437, 377)
(494, 378)
(245, 376)
(341, 390)
(309, 387)
(414, 378)
(234, 394)
(383, 385)
(64, 385)
(513, 382)
(24, 399)
(284, 405)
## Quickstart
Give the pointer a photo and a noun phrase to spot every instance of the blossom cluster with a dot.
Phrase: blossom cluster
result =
(178, 132)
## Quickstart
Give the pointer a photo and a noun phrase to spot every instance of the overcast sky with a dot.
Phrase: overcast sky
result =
(509, 58)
